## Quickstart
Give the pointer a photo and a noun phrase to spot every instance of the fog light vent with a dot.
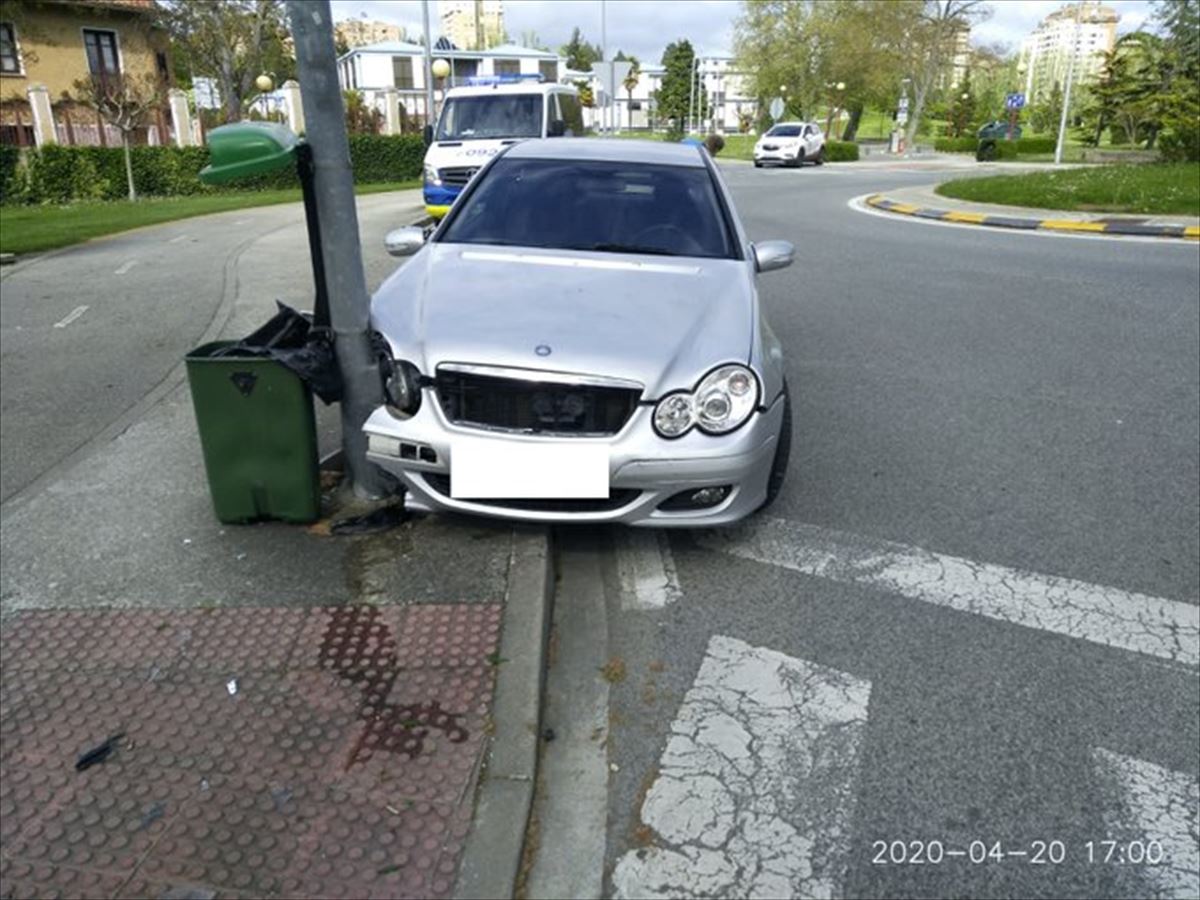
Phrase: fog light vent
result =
(696, 498)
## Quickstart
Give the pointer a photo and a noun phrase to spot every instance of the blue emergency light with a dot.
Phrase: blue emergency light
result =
(485, 80)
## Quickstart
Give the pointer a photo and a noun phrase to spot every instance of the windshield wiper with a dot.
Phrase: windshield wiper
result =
(627, 248)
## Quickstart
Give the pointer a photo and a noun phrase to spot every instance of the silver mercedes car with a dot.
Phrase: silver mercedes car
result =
(581, 340)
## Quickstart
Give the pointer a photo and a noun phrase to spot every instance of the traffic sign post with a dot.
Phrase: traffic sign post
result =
(1013, 103)
(776, 109)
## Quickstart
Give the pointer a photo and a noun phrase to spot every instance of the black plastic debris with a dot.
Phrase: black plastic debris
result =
(98, 754)
(294, 340)
(370, 523)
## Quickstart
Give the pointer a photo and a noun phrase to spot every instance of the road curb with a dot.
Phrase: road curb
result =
(492, 855)
(1185, 232)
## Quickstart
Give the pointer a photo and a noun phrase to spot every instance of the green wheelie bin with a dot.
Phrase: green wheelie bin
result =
(257, 434)
(255, 414)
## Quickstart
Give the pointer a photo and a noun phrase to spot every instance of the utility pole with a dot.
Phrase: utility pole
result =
(428, 64)
(687, 126)
(604, 62)
(1062, 122)
(349, 304)
(478, 25)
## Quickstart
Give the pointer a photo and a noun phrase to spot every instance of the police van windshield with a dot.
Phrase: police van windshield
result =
(491, 116)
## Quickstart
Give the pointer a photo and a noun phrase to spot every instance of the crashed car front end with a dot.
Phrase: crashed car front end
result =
(692, 480)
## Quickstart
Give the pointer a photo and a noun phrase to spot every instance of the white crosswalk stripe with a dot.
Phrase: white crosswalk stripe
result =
(756, 786)
(1153, 823)
(1167, 629)
(646, 569)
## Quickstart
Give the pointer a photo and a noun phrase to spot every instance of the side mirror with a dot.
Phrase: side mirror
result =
(773, 255)
(427, 134)
(404, 241)
(556, 128)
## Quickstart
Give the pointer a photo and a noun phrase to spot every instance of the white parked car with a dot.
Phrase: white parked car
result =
(790, 144)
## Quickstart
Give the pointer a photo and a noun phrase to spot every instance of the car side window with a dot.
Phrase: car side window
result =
(571, 114)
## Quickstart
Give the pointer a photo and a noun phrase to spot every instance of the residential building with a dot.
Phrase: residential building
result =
(728, 92)
(730, 100)
(1084, 31)
(472, 24)
(400, 65)
(361, 32)
(46, 46)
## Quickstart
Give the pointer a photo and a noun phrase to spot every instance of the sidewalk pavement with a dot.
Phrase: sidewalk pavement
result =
(924, 202)
(289, 713)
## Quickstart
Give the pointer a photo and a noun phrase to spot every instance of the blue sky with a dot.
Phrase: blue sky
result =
(644, 27)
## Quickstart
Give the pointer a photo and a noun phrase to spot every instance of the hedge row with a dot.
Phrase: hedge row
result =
(57, 174)
(841, 151)
(971, 144)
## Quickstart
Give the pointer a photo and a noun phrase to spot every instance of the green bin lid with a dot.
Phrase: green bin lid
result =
(248, 148)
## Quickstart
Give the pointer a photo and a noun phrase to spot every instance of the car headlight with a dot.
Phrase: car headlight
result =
(402, 387)
(722, 401)
(674, 415)
(432, 177)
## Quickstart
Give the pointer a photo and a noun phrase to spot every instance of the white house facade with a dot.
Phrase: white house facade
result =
(400, 66)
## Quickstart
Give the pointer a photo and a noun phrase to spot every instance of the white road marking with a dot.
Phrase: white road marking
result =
(70, 317)
(126, 266)
(756, 786)
(1150, 803)
(241, 222)
(178, 238)
(646, 569)
(1104, 615)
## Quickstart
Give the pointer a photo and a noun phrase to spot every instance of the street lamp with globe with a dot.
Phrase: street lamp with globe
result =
(440, 69)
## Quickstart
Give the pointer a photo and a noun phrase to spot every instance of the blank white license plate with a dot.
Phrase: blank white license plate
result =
(486, 469)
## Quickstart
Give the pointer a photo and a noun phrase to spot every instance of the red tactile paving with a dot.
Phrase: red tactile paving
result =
(343, 764)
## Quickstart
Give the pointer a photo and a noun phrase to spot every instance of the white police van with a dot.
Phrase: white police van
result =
(481, 119)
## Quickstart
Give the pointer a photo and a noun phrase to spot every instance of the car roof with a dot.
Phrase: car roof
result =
(610, 150)
(518, 87)
(797, 124)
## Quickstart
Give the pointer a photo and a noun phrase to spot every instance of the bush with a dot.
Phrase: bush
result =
(841, 151)
(991, 148)
(956, 145)
(1036, 144)
(714, 143)
(9, 157)
(57, 174)
(1179, 143)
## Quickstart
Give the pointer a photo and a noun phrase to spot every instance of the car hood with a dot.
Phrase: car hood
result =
(662, 321)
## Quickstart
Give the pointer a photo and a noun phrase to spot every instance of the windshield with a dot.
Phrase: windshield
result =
(616, 207)
(784, 131)
(491, 116)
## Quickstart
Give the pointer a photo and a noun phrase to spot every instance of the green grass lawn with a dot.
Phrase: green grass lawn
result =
(1155, 188)
(27, 229)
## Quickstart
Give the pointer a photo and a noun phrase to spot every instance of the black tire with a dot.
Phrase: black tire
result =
(783, 451)
(820, 157)
(757, 164)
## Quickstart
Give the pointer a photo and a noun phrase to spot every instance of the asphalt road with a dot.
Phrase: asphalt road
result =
(1009, 410)
(88, 332)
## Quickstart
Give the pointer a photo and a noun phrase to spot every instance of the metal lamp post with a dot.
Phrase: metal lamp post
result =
(440, 68)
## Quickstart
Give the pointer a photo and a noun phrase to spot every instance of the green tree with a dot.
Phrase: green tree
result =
(932, 42)
(125, 102)
(1179, 101)
(797, 49)
(578, 53)
(630, 81)
(677, 96)
(962, 107)
(233, 41)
